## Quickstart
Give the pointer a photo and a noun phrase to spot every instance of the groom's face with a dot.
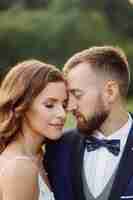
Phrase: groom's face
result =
(86, 98)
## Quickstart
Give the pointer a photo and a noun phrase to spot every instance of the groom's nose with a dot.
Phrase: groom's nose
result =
(72, 103)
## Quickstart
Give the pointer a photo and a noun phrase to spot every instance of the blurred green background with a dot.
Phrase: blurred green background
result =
(52, 30)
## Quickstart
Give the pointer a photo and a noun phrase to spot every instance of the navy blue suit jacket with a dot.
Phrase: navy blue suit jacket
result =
(64, 162)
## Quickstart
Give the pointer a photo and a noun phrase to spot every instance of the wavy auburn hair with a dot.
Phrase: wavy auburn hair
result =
(18, 89)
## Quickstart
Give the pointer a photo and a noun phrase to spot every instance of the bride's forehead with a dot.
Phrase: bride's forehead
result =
(54, 90)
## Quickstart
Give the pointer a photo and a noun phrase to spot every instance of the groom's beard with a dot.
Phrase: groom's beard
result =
(87, 127)
(91, 123)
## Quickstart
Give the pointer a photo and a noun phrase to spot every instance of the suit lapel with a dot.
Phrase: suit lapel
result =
(125, 170)
(77, 164)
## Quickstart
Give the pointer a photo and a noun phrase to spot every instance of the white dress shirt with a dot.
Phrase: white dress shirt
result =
(99, 165)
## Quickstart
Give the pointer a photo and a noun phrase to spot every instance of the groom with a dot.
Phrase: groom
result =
(95, 160)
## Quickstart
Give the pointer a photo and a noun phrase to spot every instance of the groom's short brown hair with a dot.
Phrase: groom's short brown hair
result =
(108, 60)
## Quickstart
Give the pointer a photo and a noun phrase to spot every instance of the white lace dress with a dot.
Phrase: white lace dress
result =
(44, 192)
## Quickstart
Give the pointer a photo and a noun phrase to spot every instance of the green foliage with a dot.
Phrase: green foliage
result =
(70, 121)
(130, 105)
(39, 34)
(55, 33)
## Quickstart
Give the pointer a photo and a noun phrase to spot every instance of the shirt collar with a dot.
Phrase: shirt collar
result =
(121, 134)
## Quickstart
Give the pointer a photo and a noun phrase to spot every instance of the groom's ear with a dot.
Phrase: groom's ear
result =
(111, 91)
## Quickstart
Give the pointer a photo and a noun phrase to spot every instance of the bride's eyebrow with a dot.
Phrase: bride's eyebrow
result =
(52, 99)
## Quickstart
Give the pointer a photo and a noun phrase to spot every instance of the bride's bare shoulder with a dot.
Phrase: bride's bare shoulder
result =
(19, 176)
(18, 164)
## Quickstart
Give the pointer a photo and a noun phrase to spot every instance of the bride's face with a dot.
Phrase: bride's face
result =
(46, 115)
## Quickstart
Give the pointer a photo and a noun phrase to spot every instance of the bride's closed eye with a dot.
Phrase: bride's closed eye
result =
(49, 105)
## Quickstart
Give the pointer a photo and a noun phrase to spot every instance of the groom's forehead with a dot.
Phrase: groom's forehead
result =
(81, 72)
(79, 82)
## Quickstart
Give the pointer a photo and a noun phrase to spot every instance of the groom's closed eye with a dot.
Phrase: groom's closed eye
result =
(77, 93)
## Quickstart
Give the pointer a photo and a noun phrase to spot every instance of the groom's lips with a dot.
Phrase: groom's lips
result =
(78, 115)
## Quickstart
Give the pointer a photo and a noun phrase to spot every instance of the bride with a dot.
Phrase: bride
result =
(33, 100)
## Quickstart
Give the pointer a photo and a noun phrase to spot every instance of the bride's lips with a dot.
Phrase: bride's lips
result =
(59, 125)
